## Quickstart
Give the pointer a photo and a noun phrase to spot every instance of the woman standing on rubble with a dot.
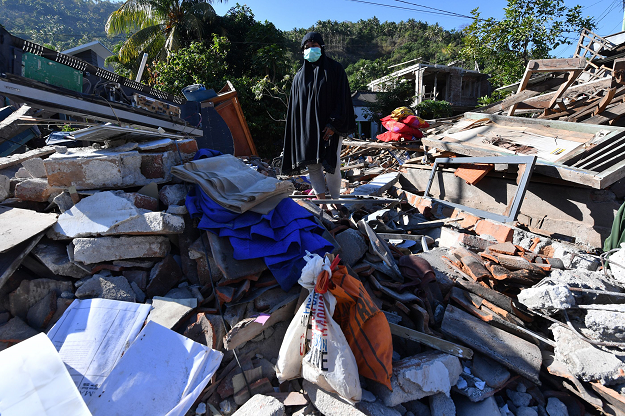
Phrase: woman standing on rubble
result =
(320, 113)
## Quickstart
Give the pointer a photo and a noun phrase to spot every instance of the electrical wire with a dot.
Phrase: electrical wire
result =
(445, 13)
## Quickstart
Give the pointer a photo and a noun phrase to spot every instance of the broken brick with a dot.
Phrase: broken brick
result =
(36, 190)
(499, 232)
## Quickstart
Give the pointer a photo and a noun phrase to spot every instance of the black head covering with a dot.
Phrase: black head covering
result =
(313, 36)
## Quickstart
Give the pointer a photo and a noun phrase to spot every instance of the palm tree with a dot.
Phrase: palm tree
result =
(160, 26)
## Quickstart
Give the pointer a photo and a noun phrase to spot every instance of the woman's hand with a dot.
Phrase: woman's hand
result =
(327, 133)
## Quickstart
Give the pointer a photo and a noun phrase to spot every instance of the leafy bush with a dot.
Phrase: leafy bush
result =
(430, 109)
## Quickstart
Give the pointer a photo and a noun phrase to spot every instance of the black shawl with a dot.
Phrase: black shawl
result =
(320, 96)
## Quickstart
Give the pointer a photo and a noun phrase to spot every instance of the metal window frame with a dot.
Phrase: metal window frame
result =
(528, 161)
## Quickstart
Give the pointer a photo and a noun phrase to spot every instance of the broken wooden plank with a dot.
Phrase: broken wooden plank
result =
(513, 352)
(609, 115)
(572, 65)
(248, 328)
(431, 341)
(18, 225)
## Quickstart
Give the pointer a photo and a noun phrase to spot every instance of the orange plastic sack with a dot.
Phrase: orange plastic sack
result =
(365, 327)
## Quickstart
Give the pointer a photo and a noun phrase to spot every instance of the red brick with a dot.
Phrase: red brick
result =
(469, 220)
(188, 148)
(36, 190)
(499, 232)
(142, 201)
(152, 166)
(473, 241)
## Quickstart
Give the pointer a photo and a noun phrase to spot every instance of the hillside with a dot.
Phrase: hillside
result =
(61, 24)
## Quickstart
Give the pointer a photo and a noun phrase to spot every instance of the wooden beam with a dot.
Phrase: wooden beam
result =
(612, 114)
(572, 76)
(553, 65)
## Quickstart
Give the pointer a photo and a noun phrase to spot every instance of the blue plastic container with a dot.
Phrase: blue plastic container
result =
(197, 92)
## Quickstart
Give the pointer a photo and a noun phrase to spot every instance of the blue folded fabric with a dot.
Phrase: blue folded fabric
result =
(281, 237)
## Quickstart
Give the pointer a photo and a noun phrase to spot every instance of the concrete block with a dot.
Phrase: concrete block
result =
(16, 331)
(94, 215)
(173, 194)
(519, 399)
(376, 409)
(494, 230)
(151, 223)
(139, 295)
(54, 256)
(449, 238)
(5, 187)
(99, 249)
(607, 325)
(353, 244)
(586, 361)
(329, 404)
(177, 210)
(106, 287)
(168, 312)
(419, 376)
(417, 408)
(32, 291)
(493, 373)
(138, 277)
(261, 405)
(547, 297)
(36, 190)
(63, 201)
(164, 275)
(40, 314)
(61, 306)
(527, 411)
(442, 405)
(23, 174)
(555, 407)
(465, 407)
(35, 167)
(87, 168)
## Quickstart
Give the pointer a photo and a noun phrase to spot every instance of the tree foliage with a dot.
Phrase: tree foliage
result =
(61, 24)
(530, 29)
(159, 27)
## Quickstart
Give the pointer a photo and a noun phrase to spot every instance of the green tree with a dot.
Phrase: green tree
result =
(398, 94)
(196, 64)
(364, 71)
(530, 29)
(159, 27)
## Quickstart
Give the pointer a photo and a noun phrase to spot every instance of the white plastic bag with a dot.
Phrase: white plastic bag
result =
(314, 346)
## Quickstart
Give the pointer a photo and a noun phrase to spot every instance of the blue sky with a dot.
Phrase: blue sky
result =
(289, 14)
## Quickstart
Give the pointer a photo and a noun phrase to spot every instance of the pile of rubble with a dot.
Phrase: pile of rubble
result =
(490, 314)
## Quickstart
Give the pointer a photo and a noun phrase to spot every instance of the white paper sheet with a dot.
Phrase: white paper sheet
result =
(92, 335)
(34, 381)
(162, 373)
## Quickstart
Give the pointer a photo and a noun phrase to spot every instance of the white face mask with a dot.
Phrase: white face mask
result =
(312, 54)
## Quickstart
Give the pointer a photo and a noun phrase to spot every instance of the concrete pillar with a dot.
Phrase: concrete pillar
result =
(435, 82)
